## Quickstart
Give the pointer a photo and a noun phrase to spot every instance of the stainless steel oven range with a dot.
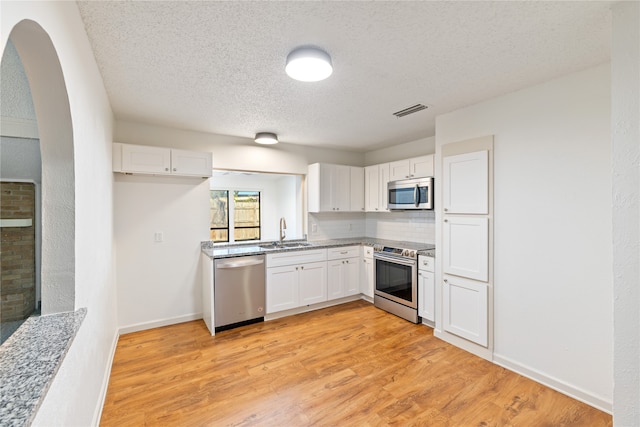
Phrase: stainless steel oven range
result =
(396, 280)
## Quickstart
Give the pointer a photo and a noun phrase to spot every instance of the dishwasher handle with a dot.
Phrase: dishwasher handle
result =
(240, 263)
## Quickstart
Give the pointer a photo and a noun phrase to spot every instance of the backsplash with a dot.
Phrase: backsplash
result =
(409, 226)
(330, 225)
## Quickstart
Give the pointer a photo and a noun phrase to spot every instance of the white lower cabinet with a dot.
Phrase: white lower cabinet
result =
(367, 279)
(343, 272)
(426, 295)
(296, 279)
(465, 309)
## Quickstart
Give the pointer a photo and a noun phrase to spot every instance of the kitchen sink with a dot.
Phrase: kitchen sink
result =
(277, 245)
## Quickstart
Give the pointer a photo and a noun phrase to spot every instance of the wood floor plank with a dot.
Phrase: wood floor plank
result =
(351, 364)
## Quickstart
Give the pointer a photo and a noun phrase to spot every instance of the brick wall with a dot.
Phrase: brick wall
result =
(17, 252)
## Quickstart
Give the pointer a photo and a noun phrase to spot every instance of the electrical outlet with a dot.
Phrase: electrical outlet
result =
(158, 237)
(314, 228)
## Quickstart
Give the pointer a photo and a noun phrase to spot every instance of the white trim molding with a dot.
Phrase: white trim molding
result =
(554, 383)
(159, 323)
(19, 128)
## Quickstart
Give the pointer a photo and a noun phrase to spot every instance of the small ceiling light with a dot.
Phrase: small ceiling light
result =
(309, 64)
(266, 138)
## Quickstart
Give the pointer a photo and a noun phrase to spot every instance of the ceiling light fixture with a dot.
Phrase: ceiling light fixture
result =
(266, 138)
(308, 64)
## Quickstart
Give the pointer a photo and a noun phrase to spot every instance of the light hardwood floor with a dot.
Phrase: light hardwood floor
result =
(349, 365)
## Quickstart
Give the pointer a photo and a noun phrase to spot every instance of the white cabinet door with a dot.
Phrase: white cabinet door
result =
(426, 295)
(343, 277)
(465, 183)
(144, 159)
(191, 163)
(466, 247)
(465, 309)
(357, 189)
(334, 279)
(372, 188)
(351, 276)
(282, 288)
(383, 176)
(341, 188)
(400, 169)
(312, 280)
(367, 278)
(421, 166)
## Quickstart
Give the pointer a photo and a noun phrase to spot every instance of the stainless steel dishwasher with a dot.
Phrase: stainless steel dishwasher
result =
(239, 291)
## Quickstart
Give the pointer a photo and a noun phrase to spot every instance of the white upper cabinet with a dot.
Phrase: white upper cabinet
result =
(143, 159)
(375, 187)
(329, 188)
(465, 242)
(372, 188)
(465, 309)
(357, 189)
(193, 163)
(415, 167)
(465, 183)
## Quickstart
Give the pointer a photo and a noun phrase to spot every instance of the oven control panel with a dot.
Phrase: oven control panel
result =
(399, 252)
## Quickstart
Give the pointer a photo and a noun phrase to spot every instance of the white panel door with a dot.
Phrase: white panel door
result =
(341, 188)
(383, 175)
(465, 183)
(143, 159)
(466, 247)
(351, 276)
(335, 286)
(312, 282)
(464, 309)
(356, 202)
(372, 188)
(421, 166)
(282, 288)
(400, 169)
(191, 163)
(426, 295)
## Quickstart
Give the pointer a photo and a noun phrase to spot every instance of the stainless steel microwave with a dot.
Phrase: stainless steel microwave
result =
(406, 194)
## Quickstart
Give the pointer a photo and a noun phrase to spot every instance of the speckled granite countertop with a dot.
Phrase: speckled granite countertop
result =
(216, 251)
(29, 360)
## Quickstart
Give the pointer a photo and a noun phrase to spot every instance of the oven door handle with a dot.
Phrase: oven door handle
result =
(395, 260)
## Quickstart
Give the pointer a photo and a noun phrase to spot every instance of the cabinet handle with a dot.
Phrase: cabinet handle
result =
(166, 169)
(446, 281)
(347, 261)
(296, 268)
(446, 210)
(302, 268)
(446, 220)
(174, 169)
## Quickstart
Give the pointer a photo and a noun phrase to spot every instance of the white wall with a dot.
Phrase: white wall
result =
(74, 397)
(553, 284)
(625, 76)
(332, 225)
(159, 283)
(409, 149)
(233, 153)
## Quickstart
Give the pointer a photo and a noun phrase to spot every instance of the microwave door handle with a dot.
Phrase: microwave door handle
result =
(416, 195)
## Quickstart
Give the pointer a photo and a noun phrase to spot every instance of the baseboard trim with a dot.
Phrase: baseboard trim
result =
(312, 307)
(105, 382)
(159, 323)
(554, 383)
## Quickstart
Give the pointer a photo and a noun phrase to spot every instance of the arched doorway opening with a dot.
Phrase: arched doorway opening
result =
(53, 115)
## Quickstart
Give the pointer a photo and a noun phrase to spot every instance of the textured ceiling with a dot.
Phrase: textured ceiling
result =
(219, 66)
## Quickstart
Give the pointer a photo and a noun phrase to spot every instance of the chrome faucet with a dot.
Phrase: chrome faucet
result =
(283, 226)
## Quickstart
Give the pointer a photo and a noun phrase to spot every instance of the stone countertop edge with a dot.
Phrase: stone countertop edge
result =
(217, 251)
(29, 361)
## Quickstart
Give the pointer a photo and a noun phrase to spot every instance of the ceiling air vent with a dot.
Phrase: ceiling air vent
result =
(410, 110)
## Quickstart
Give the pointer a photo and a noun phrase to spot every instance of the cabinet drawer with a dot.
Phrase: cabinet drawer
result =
(426, 263)
(296, 257)
(343, 252)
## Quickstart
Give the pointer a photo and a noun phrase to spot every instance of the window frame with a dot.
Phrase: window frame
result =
(231, 215)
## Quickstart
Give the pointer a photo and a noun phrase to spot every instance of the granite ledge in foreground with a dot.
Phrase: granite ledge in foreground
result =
(29, 360)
